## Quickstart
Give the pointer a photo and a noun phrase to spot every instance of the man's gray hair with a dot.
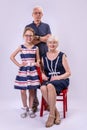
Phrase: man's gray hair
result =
(38, 7)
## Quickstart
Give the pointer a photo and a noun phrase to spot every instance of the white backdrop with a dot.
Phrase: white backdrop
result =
(68, 21)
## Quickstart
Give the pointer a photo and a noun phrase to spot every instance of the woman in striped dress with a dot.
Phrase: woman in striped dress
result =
(27, 78)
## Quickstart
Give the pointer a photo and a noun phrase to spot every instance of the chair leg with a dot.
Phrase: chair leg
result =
(64, 105)
(66, 102)
(42, 107)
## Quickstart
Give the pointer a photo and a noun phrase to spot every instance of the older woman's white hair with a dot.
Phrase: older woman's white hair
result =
(52, 38)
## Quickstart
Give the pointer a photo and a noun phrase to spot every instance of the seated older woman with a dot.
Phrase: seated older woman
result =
(55, 78)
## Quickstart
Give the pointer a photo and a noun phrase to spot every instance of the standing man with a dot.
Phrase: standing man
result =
(42, 32)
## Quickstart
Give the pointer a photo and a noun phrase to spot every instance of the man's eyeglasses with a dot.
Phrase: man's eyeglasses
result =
(37, 13)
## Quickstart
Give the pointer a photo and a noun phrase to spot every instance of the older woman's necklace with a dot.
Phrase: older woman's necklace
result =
(52, 70)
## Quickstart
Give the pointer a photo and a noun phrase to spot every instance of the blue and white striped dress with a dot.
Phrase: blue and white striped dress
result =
(27, 77)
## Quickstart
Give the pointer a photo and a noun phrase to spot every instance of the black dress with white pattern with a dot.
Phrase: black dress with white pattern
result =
(55, 67)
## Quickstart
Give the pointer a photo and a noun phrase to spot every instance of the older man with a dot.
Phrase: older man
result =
(42, 32)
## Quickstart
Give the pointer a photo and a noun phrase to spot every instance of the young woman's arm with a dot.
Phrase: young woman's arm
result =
(13, 55)
(37, 57)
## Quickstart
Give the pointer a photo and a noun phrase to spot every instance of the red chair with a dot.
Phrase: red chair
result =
(39, 73)
(63, 98)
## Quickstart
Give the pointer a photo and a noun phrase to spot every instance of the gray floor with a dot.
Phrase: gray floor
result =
(10, 119)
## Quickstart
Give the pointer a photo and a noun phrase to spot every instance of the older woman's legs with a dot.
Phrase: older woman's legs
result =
(44, 92)
(57, 117)
(52, 103)
(49, 94)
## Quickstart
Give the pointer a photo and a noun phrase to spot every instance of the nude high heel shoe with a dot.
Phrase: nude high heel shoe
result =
(50, 121)
(57, 117)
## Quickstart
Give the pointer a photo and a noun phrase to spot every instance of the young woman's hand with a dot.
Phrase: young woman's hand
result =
(22, 64)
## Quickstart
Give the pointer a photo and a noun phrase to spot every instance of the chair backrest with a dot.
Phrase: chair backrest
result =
(39, 74)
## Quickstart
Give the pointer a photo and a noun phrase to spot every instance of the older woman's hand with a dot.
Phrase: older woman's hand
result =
(44, 77)
(55, 77)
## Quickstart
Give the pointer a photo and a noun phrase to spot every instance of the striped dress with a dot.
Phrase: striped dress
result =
(27, 77)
